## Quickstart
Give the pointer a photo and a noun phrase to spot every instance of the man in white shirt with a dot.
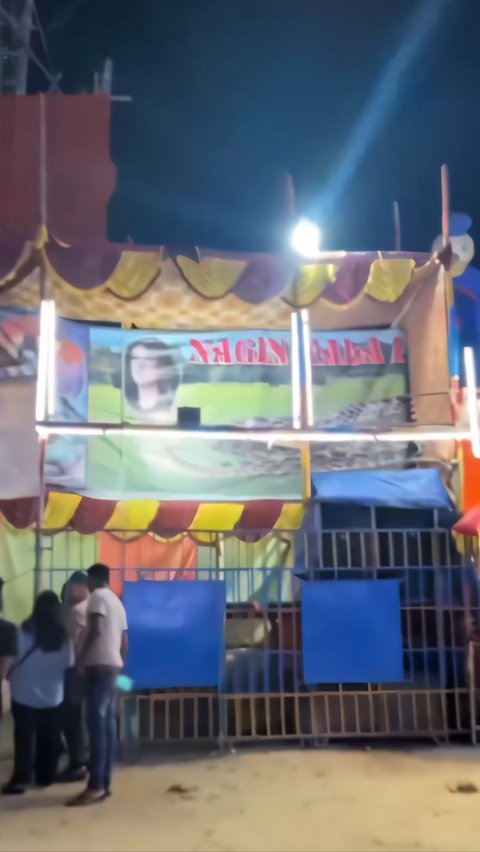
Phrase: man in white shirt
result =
(103, 650)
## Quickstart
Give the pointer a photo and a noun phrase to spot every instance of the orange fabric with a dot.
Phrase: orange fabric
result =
(147, 558)
(471, 478)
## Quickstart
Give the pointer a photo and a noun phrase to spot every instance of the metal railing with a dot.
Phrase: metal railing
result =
(262, 694)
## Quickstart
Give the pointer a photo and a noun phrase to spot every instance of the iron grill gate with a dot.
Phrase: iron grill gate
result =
(262, 694)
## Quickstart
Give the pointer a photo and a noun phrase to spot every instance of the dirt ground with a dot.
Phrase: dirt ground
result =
(290, 799)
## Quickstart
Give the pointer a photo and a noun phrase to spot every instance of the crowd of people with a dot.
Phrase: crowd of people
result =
(63, 663)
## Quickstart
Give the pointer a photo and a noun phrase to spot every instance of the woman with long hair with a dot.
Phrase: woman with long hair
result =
(45, 652)
(152, 378)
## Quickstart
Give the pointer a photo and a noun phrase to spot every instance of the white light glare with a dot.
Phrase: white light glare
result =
(307, 355)
(305, 239)
(268, 436)
(46, 369)
(295, 362)
(471, 382)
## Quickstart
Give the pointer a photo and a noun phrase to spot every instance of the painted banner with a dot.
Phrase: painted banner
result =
(19, 451)
(243, 379)
(230, 378)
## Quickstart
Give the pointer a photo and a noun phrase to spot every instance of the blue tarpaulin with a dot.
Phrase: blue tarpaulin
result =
(176, 633)
(402, 489)
(351, 632)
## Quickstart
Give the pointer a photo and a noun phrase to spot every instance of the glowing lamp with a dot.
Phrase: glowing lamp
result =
(305, 239)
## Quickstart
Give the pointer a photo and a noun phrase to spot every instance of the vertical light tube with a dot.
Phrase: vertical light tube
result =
(46, 369)
(295, 365)
(471, 382)
(307, 361)
(52, 362)
(42, 366)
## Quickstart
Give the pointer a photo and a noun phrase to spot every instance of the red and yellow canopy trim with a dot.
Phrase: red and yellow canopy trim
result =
(87, 515)
(126, 272)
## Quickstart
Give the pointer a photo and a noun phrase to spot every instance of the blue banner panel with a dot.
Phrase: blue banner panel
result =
(176, 633)
(352, 632)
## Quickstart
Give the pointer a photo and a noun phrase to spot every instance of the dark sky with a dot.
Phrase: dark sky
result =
(228, 95)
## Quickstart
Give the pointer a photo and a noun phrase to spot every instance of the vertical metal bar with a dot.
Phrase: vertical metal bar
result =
(357, 715)
(151, 718)
(363, 549)
(317, 510)
(335, 553)
(195, 716)
(400, 713)
(169, 702)
(453, 644)
(342, 708)
(182, 718)
(397, 226)
(386, 713)
(472, 693)
(349, 549)
(445, 183)
(370, 707)
(414, 712)
(37, 582)
(424, 626)
(43, 170)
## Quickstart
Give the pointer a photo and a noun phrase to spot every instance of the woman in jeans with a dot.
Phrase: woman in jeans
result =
(44, 654)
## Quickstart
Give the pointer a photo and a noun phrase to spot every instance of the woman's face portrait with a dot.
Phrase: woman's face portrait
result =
(155, 375)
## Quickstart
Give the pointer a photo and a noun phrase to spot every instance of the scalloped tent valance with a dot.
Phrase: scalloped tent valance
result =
(87, 515)
(127, 271)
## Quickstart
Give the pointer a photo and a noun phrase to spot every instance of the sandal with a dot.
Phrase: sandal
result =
(88, 797)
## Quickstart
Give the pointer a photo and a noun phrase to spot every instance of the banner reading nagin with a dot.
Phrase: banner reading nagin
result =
(242, 379)
(235, 378)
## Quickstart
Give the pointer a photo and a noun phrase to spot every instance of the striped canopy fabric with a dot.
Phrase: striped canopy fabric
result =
(87, 515)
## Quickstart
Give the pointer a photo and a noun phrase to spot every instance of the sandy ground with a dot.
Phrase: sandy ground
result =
(333, 799)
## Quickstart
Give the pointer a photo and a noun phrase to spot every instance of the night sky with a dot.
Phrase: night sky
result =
(229, 95)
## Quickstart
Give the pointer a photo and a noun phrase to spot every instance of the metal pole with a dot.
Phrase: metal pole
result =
(397, 226)
(24, 33)
(43, 164)
(42, 439)
(445, 204)
(37, 583)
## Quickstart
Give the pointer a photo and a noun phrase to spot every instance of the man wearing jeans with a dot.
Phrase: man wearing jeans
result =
(101, 657)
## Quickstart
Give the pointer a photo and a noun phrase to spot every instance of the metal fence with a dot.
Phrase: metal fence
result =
(263, 696)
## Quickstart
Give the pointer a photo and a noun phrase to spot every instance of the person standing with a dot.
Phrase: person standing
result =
(8, 645)
(37, 682)
(75, 594)
(102, 655)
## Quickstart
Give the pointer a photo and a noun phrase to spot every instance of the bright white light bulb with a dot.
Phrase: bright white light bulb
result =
(305, 239)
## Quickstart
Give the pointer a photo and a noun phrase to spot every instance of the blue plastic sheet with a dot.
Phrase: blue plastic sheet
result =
(352, 632)
(176, 633)
(402, 489)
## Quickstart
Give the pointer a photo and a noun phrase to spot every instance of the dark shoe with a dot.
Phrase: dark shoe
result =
(13, 789)
(72, 775)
